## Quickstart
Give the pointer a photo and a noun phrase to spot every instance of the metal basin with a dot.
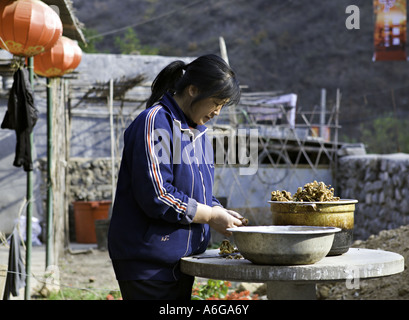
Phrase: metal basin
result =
(338, 214)
(284, 245)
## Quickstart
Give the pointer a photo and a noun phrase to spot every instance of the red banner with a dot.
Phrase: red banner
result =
(390, 30)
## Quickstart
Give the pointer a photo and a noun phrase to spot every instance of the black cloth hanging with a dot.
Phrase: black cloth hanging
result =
(16, 273)
(21, 116)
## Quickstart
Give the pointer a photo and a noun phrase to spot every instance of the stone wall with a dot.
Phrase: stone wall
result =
(90, 179)
(381, 185)
(87, 180)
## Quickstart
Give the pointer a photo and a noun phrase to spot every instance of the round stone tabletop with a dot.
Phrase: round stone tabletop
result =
(357, 262)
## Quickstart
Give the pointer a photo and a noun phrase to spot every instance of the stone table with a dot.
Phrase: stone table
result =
(297, 282)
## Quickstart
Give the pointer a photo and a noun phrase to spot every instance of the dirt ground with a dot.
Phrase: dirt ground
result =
(395, 287)
(91, 270)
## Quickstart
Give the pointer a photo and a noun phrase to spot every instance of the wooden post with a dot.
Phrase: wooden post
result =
(29, 196)
(223, 50)
(335, 143)
(223, 53)
(323, 112)
(49, 234)
(111, 125)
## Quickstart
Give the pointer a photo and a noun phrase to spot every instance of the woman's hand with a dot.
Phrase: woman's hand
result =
(222, 219)
(237, 215)
(218, 218)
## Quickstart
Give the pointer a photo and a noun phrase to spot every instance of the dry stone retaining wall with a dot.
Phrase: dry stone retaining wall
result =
(381, 185)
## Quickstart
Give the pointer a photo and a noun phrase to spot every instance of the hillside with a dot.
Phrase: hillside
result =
(293, 46)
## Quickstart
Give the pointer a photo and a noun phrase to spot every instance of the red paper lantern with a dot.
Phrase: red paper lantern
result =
(28, 27)
(77, 56)
(61, 59)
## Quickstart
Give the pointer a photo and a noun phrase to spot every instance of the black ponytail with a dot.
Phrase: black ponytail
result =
(210, 74)
(165, 81)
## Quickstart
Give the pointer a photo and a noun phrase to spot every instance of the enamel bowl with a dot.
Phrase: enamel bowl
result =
(284, 245)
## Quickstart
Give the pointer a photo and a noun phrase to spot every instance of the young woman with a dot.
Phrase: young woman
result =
(164, 203)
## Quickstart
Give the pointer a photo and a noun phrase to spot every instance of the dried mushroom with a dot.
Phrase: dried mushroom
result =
(244, 221)
(315, 191)
(281, 196)
(236, 256)
(312, 192)
(226, 247)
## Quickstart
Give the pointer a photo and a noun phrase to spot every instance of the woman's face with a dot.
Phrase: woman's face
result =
(204, 110)
(200, 111)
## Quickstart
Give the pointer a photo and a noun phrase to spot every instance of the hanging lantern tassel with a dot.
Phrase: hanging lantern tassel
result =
(61, 59)
(28, 27)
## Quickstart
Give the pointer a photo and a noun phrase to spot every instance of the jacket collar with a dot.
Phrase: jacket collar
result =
(179, 117)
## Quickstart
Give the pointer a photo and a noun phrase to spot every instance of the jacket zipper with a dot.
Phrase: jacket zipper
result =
(204, 189)
(204, 195)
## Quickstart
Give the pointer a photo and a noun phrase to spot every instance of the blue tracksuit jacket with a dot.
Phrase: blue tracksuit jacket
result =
(166, 169)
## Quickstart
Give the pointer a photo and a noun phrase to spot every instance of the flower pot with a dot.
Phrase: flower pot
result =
(85, 215)
(101, 231)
